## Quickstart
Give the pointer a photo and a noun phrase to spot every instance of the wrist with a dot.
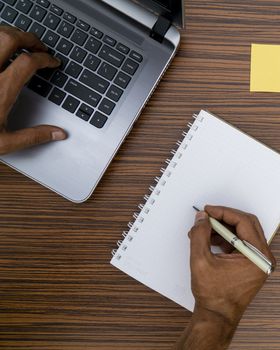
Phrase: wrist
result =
(217, 328)
(230, 317)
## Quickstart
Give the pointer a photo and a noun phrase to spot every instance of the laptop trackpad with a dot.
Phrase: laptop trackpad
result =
(59, 164)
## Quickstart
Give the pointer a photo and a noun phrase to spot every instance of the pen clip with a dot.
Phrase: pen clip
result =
(260, 254)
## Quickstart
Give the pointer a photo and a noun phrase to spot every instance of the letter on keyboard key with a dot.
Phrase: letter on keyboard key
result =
(78, 54)
(9, 14)
(93, 45)
(114, 93)
(112, 56)
(57, 96)
(93, 81)
(57, 10)
(64, 46)
(44, 3)
(83, 93)
(122, 80)
(37, 29)
(23, 22)
(106, 106)
(107, 71)
(51, 21)
(73, 69)
(92, 62)
(70, 18)
(39, 86)
(59, 79)
(130, 66)
(98, 120)
(50, 38)
(79, 37)
(38, 13)
(24, 6)
(86, 109)
(70, 104)
(65, 29)
(82, 115)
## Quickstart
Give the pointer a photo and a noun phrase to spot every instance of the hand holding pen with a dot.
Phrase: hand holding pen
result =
(223, 284)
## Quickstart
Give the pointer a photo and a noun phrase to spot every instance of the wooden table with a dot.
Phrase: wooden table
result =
(57, 288)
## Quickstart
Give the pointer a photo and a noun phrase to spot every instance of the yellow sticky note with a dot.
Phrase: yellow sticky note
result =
(265, 68)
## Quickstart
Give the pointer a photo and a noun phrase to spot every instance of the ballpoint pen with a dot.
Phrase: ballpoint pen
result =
(244, 247)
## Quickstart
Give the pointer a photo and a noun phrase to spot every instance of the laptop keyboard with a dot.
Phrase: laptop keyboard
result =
(96, 68)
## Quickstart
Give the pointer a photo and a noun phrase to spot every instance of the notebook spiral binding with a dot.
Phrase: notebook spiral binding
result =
(156, 189)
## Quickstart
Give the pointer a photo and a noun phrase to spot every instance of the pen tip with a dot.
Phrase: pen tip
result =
(195, 208)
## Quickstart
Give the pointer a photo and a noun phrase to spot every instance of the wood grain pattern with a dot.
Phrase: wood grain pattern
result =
(57, 288)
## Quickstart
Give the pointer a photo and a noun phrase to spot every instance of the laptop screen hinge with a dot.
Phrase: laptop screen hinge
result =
(160, 29)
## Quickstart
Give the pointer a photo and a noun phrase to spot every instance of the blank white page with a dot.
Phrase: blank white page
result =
(215, 164)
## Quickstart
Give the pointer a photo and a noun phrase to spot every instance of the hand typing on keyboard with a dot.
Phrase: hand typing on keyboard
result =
(12, 80)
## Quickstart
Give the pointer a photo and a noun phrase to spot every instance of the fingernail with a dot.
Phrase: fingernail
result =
(58, 135)
(201, 215)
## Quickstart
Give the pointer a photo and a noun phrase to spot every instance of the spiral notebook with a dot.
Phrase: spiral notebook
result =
(214, 164)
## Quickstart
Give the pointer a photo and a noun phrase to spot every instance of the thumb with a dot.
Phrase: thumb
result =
(200, 235)
(24, 138)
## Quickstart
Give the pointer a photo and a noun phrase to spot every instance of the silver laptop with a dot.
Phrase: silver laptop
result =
(114, 53)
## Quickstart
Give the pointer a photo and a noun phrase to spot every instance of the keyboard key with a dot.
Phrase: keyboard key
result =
(70, 104)
(83, 93)
(9, 14)
(106, 106)
(37, 29)
(110, 41)
(93, 45)
(64, 61)
(51, 21)
(57, 96)
(83, 25)
(122, 80)
(92, 62)
(130, 66)
(136, 56)
(38, 13)
(97, 33)
(122, 48)
(65, 29)
(24, 6)
(107, 71)
(98, 120)
(44, 3)
(114, 93)
(39, 86)
(94, 81)
(50, 38)
(23, 22)
(59, 79)
(57, 10)
(82, 115)
(70, 18)
(1, 5)
(46, 73)
(78, 54)
(64, 46)
(86, 109)
(10, 2)
(112, 56)
(79, 37)
(73, 69)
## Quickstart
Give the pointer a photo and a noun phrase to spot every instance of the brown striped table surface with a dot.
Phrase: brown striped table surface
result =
(57, 288)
